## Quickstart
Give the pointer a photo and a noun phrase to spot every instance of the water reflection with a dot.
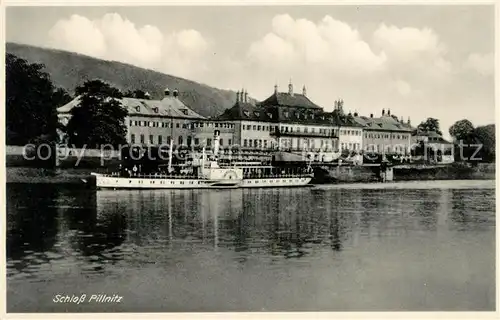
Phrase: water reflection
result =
(32, 224)
(55, 230)
(96, 232)
(283, 222)
(469, 208)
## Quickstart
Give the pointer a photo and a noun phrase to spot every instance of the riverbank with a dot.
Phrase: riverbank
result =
(46, 176)
(364, 174)
(455, 171)
(337, 175)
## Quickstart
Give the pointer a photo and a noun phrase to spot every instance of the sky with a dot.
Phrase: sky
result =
(418, 61)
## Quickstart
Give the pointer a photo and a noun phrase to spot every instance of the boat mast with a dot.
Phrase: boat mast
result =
(203, 159)
(216, 144)
(170, 157)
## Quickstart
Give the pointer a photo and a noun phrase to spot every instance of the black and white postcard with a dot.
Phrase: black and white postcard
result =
(250, 157)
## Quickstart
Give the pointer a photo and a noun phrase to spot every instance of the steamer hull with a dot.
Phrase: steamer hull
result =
(113, 182)
(103, 181)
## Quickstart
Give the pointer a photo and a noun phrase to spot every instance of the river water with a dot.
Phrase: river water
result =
(366, 247)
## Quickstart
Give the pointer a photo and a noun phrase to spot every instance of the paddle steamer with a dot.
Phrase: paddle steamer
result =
(206, 173)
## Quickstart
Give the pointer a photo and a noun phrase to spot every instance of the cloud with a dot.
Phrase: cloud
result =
(126, 42)
(406, 69)
(78, 34)
(331, 44)
(185, 54)
(114, 37)
(417, 55)
(481, 63)
(401, 63)
(402, 87)
(408, 43)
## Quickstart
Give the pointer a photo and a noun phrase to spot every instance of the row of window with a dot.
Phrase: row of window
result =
(286, 129)
(350, 132)
(286, 114)
(213, 125)
(306, 130)
(257, 127)
(157, 110)
(180, 140)
(303, 115)
(386, 136)
(435, 138)
(350, 146)
(159, 124)
(388, 148)
(259, 143)
(156, 124)
(256, 143)
(307, 143)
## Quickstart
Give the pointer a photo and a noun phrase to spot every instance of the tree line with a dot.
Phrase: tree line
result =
(469, 141)
(31, 109)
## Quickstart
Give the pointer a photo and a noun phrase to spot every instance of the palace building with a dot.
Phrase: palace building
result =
(437, 148)
(350, 132)
(386, 134)
(285, 121)
(151, 122)
(303, 125)
(252, 125)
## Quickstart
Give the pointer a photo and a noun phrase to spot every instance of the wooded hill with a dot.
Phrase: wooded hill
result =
(69, 70)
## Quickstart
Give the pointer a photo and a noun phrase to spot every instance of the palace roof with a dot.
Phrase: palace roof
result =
(248, 112)
(384, 123)
(169, 106)
(433, 136)
(289, 100)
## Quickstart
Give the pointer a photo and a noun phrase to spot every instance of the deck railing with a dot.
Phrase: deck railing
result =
(169, 176)
(154, 176)
(267, 176)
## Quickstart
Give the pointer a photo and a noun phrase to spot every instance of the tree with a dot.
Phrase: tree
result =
(99, 118)
(60, 97)
(469, 139)
(138, 94)
(486, 134)
(462, 129)
(430, 125)
(31, 102)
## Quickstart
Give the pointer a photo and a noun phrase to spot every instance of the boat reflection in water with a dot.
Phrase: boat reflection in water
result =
(273, 220)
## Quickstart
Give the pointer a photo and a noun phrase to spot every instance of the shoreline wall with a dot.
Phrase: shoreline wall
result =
(345, 174)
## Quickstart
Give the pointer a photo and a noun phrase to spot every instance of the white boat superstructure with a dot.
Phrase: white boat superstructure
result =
(208, 174)
(159, 181)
